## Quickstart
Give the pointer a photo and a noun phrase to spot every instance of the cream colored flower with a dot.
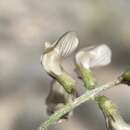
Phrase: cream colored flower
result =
(94, 56)
(56, 52)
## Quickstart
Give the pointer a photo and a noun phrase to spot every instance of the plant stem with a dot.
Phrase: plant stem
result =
(70, 106)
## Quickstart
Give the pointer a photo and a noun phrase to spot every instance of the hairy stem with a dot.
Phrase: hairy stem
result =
(78, 101)
(87, 76)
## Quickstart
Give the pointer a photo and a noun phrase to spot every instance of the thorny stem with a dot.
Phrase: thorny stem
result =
(78, 101)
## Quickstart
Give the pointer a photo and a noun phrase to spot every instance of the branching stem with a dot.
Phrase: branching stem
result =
(78, 101)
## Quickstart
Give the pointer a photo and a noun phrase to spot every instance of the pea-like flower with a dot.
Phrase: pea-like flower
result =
(87, 58)
(114, 120)
(53, 56)
(94, 56)
(56, 52)
(57, 99)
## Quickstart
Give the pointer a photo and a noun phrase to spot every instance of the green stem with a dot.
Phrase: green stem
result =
(90, 83)
(70, 106)
(107, 107)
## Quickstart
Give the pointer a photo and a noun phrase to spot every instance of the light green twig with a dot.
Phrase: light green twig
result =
(70, 106)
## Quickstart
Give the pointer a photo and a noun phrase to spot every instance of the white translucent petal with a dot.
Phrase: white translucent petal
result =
(51, 63)
(94, 56)
(67, 44)
(101, 56)
(82, 59)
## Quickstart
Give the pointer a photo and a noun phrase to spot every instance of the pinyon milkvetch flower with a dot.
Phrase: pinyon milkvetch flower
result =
(93, 56)
(53, 56)
(114, 120)
(57, 99)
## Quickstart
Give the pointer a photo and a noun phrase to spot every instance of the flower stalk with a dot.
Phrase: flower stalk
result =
(64, 84)
(89, 95)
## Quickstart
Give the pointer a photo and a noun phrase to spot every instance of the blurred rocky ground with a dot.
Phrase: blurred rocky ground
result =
(24, 27)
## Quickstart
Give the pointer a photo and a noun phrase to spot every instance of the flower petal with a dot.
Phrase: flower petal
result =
(67, 44)
(54, 53)
(94, 56)
(102, 56)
